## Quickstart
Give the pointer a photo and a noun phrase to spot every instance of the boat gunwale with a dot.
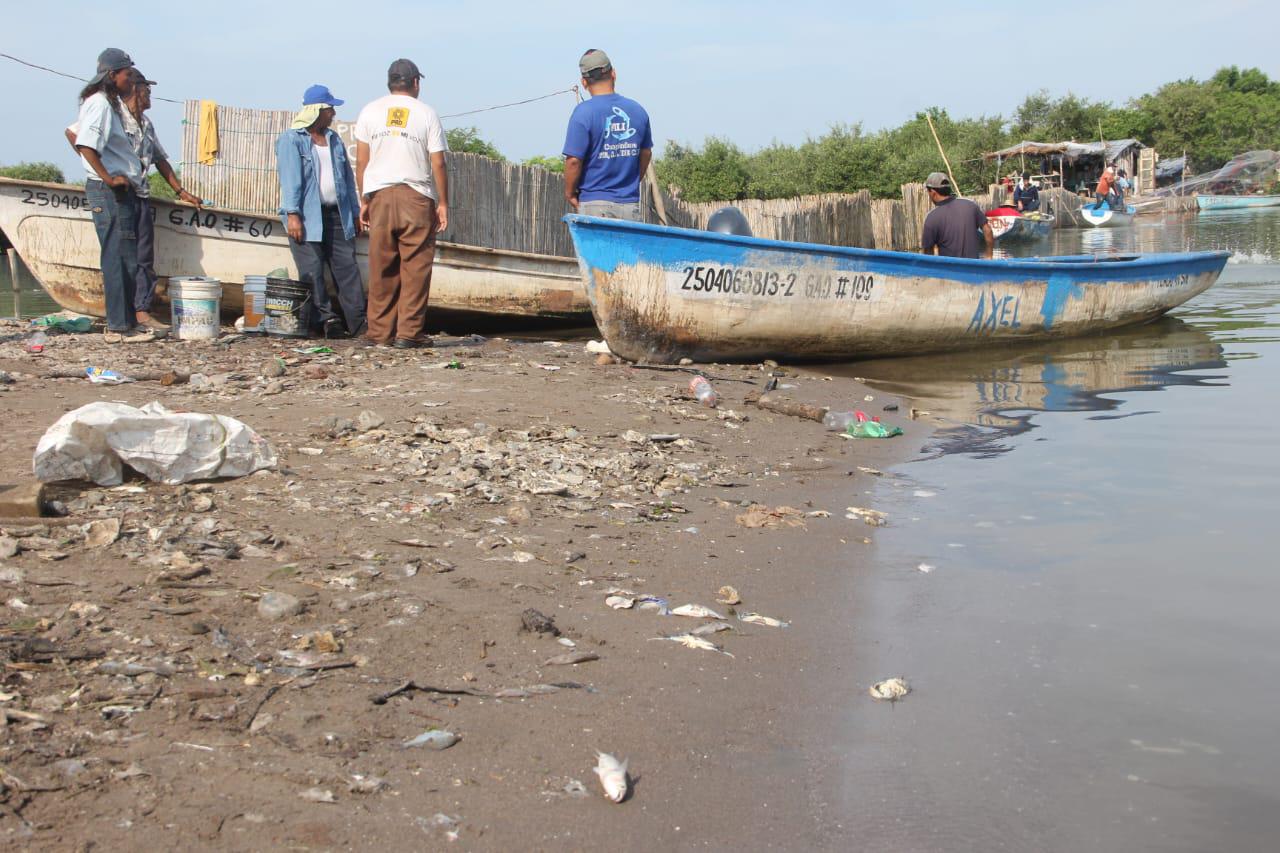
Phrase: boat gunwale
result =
(1037, 266)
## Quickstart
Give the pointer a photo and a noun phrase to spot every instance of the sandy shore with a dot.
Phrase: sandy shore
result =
(415, 537)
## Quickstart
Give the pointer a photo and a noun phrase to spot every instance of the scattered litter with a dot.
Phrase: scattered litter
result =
(64, 321)
(697, 611)
(890, 690)
(729, 595)
(613, 776)
(437, 739)
(598, 347)
(620, 602)
(102, 376)
(758, 619)
(873, 517)
(96, 441)
(693, 641)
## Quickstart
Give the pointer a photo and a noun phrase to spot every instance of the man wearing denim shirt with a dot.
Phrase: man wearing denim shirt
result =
(321, 212)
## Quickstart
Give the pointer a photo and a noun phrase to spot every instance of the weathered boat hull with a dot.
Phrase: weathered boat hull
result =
(1010, 229)
(51, 228)
(1106, 217)
(661, 294)
(1236, 202)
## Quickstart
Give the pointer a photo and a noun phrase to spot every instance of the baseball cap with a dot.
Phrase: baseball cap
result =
(110, 61)
(594, 64)
(139, 77)
(403, 71)
(937, 181)
(319, 94)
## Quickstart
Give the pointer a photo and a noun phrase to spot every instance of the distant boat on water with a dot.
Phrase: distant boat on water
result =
(1236, 202)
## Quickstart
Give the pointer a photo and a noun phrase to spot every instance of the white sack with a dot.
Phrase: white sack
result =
(94, 442)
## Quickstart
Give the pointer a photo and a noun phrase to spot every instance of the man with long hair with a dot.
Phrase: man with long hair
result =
(113, 170)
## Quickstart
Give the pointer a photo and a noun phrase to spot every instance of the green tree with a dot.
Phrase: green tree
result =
(551, 164)
(717, 172)
(160, 187)
(469, 141)
(41, 171)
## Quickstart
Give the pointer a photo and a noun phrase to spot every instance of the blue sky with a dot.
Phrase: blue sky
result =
(750, 71)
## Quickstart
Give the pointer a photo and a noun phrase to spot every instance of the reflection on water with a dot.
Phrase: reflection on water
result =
(32, 299)
(1096, 655)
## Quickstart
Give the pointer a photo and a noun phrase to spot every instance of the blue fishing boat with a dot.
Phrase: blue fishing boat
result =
(662, 294)
(1236, 202)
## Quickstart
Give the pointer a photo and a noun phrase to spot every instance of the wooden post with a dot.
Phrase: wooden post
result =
(13, 281)
(658, 203)
(954, 186)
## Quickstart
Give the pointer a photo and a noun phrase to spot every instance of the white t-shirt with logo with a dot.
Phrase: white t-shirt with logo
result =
(402, 133)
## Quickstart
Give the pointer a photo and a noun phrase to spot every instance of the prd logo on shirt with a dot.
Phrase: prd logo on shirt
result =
(398, 117)
(618, 126)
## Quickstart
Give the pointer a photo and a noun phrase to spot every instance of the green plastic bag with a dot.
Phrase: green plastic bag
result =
(872, 429)
(69, 325)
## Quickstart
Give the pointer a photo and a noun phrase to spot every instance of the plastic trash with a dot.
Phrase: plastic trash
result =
(63, 322)
(102, 376)
(872, 429)
(838, 421)
(701, 389)
(96, 441)
(36, 342)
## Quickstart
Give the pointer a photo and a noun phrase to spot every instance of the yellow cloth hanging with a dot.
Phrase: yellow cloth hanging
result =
(207, 145)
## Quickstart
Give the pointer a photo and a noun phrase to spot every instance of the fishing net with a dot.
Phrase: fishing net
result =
(1244, 174)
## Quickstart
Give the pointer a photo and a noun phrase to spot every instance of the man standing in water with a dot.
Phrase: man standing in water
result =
(404, 204)
(951, 228)
(321, 212)
(607, 147)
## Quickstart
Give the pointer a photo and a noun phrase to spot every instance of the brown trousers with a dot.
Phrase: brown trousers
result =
(402, 247)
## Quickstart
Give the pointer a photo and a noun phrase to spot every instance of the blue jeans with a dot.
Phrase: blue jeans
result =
(144, 288)
(115, 218)
(338, 253)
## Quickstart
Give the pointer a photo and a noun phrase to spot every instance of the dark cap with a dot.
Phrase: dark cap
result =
(139, 77)
(403, 71)
(594, 64)
(937, 181)
(110, 61)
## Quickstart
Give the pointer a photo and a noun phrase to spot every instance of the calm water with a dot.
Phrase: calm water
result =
(1096, 650)
(32, 299)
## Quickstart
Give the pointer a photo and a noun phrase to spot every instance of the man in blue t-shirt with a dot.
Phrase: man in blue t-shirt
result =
(607, 147)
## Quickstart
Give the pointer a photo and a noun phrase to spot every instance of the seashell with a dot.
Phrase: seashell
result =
(758, 619)
(729, 595)
(891, 689)
(613, 776)
(697, 611)
(620, 602)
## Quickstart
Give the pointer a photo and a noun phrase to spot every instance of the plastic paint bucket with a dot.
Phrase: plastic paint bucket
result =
(196, 304)
(288, 308)
(255, 298)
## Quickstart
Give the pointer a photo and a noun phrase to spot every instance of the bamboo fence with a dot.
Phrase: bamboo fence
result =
(506, 206)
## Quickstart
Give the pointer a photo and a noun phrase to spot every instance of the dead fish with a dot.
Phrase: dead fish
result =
(694, 642)
(891, 689)
(871, 516)
(436, 739)
(620, 602)
(759, 619)
(711, 628)
(571, 658)
(697, 611)
(613, 776)
(729, 595)
(652, 602)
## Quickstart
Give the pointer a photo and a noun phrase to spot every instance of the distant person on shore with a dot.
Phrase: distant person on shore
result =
(321, 212)
(951, 229)
(1122, 186)
(607, 147)
(404, 203)
(1026, 198)
(1105, 191)
(113, 171)
(146, 144)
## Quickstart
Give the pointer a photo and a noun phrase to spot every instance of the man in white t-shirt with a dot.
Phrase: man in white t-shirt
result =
(404, 203)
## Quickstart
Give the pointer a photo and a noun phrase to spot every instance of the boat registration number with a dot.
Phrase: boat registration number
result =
(716, 280)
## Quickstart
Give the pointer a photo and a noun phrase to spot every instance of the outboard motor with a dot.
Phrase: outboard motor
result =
(729, 220)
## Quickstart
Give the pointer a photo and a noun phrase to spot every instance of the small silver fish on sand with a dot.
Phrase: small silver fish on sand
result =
(693, 642)
(759, 619)
(613, 776)
(697, 611)
(711, 628)
(890, 690)
(571, 658)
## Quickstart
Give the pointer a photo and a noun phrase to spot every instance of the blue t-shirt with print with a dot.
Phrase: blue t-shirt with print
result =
(607, 133)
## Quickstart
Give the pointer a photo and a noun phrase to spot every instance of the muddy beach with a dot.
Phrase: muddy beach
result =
(442, 527)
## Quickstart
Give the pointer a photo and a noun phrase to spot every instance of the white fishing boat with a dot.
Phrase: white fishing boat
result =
(1236, 202)
(1107, 217)
(662, 294)
(51, 228)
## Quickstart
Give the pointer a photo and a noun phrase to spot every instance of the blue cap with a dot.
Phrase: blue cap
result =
(318, 94)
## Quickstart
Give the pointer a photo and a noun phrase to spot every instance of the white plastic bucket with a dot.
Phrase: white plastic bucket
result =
(196, 305)
(255, 310)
